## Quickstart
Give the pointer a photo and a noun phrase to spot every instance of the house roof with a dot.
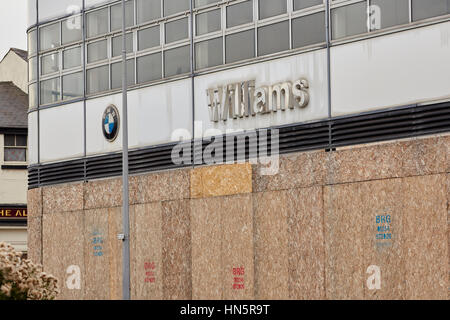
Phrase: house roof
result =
(13, 106)
(21, 53)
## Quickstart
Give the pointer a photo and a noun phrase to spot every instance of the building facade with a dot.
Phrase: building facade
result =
(13, 157)
(354, 95)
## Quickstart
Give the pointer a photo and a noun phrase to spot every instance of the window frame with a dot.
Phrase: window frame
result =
(15, 147)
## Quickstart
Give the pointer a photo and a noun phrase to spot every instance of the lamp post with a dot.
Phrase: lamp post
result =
(125, 196)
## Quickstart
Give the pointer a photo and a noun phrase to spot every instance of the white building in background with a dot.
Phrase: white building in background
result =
(185, 64)
(13, 149)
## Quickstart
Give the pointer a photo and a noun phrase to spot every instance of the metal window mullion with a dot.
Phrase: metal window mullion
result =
(255, 28)
(38, 103)
(223, 28)
(162, 41)
(368, 27)
(290, 8)
(410, 11)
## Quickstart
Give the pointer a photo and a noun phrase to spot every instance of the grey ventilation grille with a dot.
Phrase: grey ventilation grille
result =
(328, 134)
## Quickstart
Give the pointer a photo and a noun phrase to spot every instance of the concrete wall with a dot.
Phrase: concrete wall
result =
(309, 232)
(14, 68)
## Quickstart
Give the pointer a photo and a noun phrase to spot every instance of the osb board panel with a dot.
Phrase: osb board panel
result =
(161, 186)
(222, 242)
(413, 263)
(223, 180)
(425, 212)
(34, 203)
(64, 198)
(409, 157)
(115, 224)
(34, 236)
(343, 243)
(176, 251)
(103, 194)
(271, 241)
(237, 245)
(97, 254)
(425, 156)
(383, 199)
(306, 243)
(63, 247)
(448, 231)
(146, 251)
(295, 171)
(206, 249)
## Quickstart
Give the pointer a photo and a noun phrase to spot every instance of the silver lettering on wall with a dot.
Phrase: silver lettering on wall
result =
(242, 100)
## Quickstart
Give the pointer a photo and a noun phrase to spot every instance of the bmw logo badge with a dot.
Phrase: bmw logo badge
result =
(110, 123)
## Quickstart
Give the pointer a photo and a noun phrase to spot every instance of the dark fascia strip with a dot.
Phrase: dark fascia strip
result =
(347, 130)
(13, 130)
(14, 167)
(13, 222)
(13, 206)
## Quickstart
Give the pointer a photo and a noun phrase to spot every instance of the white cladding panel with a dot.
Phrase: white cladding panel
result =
(32, 138)
(31, 12)
(50, 9)
(95, 3)
(154, 113)
(62, 134)
(311, 66)
(398, 69)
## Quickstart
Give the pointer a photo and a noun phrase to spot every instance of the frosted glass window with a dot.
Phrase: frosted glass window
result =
(270, 8)
(71, 30)
(349, 20)
(273, 38)
(50, 91)
(97, 51)
(49, 36)
(32, 42)
(240, 13)
(116, 74)
(148, 10)
(116, 16)
(430, 8)
(308, 30)
(117, 44)
(149, 38)
(72, 58)
(302, 4)
(209, 53)
(200, 3)
(208, 22)
(32, 69)
(149, 67)
(175, 6)
(391, 13)
(97, 79)
(177, 30)
(50, 63)
(32, 95)
(176, 61)
(72, 86)
(97, 22)
(240, 46)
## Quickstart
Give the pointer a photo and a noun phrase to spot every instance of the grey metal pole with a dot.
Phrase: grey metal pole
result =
(125, 197)
(328, 39)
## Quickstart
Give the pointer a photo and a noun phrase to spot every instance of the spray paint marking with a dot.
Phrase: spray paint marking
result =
(150, 276)
(383, 229)
(238, 278)
(97, 241)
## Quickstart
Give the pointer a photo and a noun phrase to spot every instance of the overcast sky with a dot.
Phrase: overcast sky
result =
(13, 25)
